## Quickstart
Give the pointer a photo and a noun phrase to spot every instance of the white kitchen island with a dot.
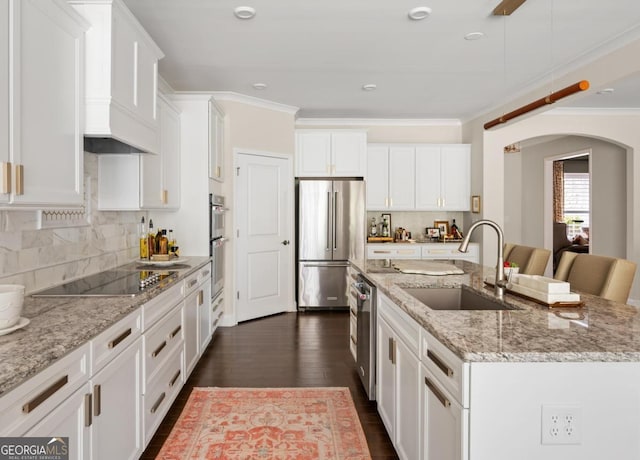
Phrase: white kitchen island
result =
(528, 383)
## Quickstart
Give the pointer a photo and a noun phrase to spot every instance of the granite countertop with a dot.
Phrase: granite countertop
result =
(60, 325)
(601, 330)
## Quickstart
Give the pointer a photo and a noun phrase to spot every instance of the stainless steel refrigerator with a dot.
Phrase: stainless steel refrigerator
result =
(330, 230)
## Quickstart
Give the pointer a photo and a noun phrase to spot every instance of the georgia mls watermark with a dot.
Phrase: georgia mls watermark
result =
(34, 448)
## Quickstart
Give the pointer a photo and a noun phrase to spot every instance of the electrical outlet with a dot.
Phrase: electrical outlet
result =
(561, 424)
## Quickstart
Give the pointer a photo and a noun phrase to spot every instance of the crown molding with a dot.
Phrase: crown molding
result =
(378, 122)
(593, 111)
(253, 101)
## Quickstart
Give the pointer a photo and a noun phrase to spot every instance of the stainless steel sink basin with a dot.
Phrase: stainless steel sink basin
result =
(455, 299)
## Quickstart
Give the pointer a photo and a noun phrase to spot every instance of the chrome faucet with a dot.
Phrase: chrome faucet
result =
(500, 282)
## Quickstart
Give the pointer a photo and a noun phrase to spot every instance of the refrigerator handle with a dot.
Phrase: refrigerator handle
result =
(335, 223)
(328, 220)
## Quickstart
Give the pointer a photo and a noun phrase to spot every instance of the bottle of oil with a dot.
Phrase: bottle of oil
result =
(158, 236)
(151, 240)
(172, 242)
(164, 243)
(144, 245)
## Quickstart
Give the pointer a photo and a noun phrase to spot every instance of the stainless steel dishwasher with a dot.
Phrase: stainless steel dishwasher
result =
(366, 337)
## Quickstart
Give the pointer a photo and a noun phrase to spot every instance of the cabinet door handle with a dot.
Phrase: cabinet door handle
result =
(97, 406)
(87, 410)
(114, 343)
(437, 393)
(438, 362)
(175, 377)
(165, 197)
(6, 177)
(154, 408)
(386, 202)
(218, 171)
(19, 180)
(200, 297)
(42, 397)
(157, 351)
(392, 350)
(175, 332)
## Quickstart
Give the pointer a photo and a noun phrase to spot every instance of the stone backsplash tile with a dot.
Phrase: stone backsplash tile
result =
(40, 258)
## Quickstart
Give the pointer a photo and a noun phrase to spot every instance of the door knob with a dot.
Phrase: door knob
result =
(285, 242)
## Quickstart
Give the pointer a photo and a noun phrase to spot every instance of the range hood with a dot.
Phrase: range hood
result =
(109, 145)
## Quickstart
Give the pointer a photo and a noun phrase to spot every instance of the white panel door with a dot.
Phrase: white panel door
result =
(264, 230)
(402, 178)
(377, 177)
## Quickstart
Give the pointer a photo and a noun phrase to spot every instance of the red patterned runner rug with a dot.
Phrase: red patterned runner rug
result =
(267, 424)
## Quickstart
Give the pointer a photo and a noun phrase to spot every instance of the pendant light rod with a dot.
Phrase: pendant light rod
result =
(550, 99)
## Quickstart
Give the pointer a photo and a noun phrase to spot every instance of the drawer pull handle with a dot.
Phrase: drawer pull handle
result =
(175, 332)
(175, 377)
(354, 313)
(157, 351)
(215, 323)
(97, 406)
(381, 252)
(206, 273)
(353, 339)
(192, 283)
(42, 397)
(392, 350)
(434, 389)
(438, 362)
(114, 343)
(154, 408)
(87, 410)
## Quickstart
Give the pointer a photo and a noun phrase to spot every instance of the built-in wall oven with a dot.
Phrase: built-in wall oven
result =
(365, 293)
(217, 242)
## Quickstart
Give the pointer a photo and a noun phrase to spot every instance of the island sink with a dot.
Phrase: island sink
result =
(455, 299)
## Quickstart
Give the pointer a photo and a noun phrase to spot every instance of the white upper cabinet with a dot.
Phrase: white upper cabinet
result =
(325, 153)
(41, 95)
(216, 142)
(390, 177)
(144, 181)
(443, 177)
(121, 75)
(421, 177)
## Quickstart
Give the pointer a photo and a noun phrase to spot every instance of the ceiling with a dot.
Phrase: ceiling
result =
(318, 55)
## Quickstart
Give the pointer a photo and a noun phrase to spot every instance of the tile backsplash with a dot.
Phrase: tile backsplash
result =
(40, 258)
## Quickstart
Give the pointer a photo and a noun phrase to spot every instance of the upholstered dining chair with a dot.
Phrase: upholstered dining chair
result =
(606, 277)
(532, 261)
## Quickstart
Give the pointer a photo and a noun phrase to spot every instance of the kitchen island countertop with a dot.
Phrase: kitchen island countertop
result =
(601, 330)
(61, 324)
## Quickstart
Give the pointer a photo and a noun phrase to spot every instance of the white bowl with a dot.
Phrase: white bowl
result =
(11, 299)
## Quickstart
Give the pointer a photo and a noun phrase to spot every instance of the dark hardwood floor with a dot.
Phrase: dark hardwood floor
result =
(306, 349)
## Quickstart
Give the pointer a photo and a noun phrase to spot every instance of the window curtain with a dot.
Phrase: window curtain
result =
(558, 191)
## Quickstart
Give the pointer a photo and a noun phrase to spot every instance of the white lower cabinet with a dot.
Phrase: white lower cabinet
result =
(116, 430)
(70, 419)
(398, 370)
(444, 421)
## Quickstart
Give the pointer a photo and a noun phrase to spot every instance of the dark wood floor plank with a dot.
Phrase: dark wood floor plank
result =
(307, 349)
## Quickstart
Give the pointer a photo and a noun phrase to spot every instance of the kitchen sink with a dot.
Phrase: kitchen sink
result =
(455, 299)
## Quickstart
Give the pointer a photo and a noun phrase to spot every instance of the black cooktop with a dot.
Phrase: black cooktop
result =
(110, 283)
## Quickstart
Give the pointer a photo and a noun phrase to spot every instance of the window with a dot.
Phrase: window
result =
(576, 203)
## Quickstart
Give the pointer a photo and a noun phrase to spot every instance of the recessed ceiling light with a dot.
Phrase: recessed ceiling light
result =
(260, 86)
(606, 91)
(419, 12)
(369, 87)
(244, 12)
(474, 36)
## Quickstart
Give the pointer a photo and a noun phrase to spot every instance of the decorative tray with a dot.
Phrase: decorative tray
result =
(163, 263)
(528, 294)
(379, 239)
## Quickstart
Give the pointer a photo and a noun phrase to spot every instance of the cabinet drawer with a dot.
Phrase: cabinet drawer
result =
(160, 394)
(450, 251)
(450, 371)
(204, 273)
(159, 342)
(191, 283)
(114, 340)
(403, 325)
(157, 307)
(24, 406)
(217, 307)
(393, 251)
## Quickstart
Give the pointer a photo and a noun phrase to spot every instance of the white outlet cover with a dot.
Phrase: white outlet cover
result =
(561, 424)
